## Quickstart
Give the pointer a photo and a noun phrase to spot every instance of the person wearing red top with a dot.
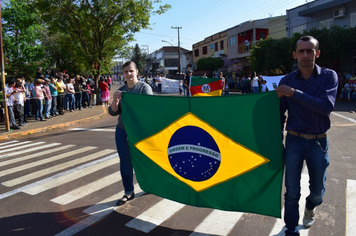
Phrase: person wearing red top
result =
(105, 95)
(108, 81)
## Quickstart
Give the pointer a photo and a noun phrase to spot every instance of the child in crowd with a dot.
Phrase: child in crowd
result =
(264, 86)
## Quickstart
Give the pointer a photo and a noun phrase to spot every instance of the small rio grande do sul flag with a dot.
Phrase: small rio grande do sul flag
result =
(218, 152)
(205, 86)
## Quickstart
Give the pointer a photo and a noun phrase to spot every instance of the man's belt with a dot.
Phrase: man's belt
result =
(308, 136)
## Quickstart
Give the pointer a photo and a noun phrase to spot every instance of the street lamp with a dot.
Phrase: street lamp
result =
(167, 42)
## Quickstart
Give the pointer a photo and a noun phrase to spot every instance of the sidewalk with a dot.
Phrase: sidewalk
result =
(68, 119)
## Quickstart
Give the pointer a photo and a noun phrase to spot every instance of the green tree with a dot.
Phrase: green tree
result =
(138, 57)
(272, 55)
(22, 36)
(210, 64)
(100, 28)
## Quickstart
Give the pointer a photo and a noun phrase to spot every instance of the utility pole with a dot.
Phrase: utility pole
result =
(176, 27)
(6, 113)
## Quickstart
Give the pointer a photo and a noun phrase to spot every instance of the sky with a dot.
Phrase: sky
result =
(199, 19)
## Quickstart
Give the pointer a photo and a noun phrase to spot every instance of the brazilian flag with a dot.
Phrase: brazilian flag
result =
(217, 152)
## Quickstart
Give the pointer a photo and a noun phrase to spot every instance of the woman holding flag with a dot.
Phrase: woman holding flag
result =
(133, 85)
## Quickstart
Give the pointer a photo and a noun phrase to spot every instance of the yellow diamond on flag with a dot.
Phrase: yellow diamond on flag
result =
(198, 154)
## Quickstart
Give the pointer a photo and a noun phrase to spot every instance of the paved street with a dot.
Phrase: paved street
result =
(66, 182)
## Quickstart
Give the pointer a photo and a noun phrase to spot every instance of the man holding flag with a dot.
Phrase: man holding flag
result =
(309, 95)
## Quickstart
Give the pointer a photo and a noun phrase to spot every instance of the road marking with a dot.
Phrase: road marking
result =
(56, 168)
(87, 189)
(350, 207)
(44, 161)
(111, 201)
(214, 225)
(22, 147)
(97, 130)
(13, 192)
(97, 212)
(37, 154)
(279, 227)
(6, 143)
(347, 118)
(14, 145)
(39, 147)
(70, 177)
(149, 220)
(344, 125)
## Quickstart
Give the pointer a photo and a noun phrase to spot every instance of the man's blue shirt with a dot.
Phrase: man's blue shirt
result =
(310, 107)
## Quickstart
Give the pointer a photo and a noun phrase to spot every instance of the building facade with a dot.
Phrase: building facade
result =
(243, 36)
(323, 14)
(166, 60)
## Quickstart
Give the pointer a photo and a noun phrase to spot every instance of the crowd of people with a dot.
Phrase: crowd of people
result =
(50, 95)
(347, 86)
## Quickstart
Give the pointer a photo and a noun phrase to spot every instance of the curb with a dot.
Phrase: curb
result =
(10, 136)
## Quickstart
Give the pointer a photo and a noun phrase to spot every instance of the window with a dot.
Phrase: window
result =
(326, 24)
(205, 50)
(353, 20)
(196, 52)
(222, 45)
(232, 40)
(171, 62)
(216, 46)
(299, 29)
(262, 35)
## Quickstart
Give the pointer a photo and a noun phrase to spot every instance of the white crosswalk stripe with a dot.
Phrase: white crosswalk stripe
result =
(45, 161)
(22, 147)
(9, 142)
(149, 220)
(214, 222)
(17, 153)
(70, 177)
(87, 189)
(53, 169)
(12, 145)
(96, 212)
(34, 155)
(212, 225)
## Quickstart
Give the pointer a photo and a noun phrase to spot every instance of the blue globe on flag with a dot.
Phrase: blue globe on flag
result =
(194, 154)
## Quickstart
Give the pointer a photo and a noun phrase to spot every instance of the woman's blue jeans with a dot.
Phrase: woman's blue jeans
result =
(315, 154)
(39, 109)
(78, 100)
(54, 105)
(126, 168)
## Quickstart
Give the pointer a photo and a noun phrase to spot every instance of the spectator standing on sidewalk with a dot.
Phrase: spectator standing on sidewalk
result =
(309, 95)
(48, 98)
(54, 94)
(9, 90)
(19, 99)
(109, 82)
(60, 99)
(38, 98)
(78, 85)
(70, 94)
(105, 94)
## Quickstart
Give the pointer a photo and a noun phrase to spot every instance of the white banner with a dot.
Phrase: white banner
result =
(272, 81)
(169, 85)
